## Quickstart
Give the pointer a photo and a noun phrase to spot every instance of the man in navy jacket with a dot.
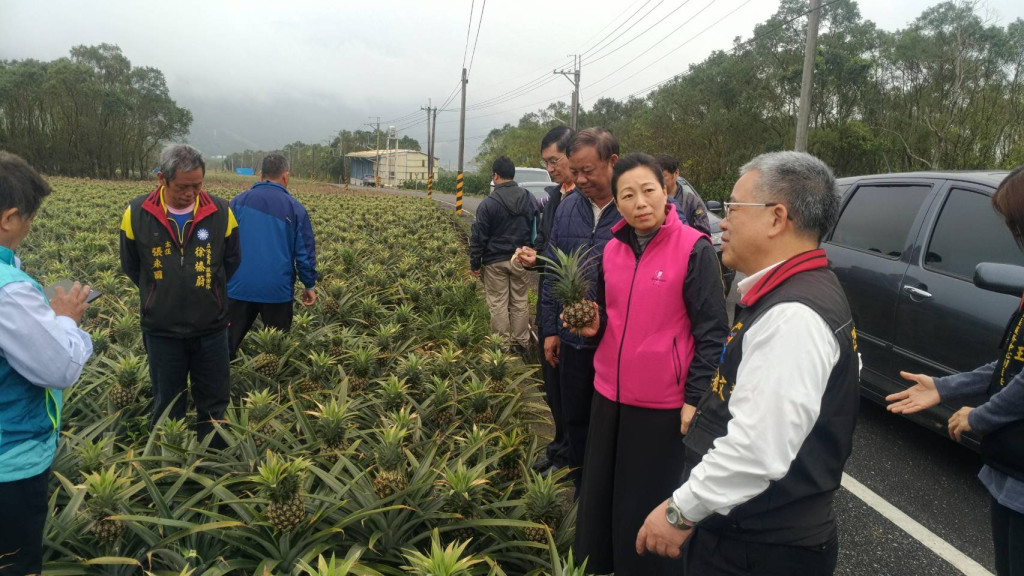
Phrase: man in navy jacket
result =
(277, 240)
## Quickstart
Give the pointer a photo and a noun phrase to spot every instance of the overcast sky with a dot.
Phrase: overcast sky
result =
(260, 74)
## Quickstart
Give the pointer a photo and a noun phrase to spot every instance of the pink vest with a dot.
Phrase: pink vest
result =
(647, 346)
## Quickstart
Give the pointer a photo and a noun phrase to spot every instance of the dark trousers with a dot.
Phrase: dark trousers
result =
(708, 554)
(203, 362)
(1007, 536)
(576, 379)
(23, 505)
(634, 462)
(558, 449)
(242, 314)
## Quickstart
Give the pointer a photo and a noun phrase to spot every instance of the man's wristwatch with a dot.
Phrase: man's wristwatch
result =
(675, 516)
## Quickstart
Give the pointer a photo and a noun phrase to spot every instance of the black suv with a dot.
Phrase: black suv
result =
(905, 249)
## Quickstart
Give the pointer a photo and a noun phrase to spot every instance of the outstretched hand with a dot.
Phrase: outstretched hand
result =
(71, 303)
(921, 396)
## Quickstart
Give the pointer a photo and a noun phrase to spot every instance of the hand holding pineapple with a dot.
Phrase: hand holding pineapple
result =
(527, 256)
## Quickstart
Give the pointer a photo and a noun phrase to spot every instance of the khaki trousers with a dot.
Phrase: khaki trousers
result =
(505, 288)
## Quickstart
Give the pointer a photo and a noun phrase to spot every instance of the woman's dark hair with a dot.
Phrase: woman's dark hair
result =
(21, 186)
(630, 161)
(1009, 202)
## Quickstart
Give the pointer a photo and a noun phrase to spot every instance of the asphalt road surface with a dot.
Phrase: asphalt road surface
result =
(911, 503)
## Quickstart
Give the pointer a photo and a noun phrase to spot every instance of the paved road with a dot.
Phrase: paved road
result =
(917, 472)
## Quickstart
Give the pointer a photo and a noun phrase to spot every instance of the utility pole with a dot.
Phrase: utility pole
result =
(462, 146)
(804, 114)
(575, 79)
(430, 155)
(433, 136)
(376, 167)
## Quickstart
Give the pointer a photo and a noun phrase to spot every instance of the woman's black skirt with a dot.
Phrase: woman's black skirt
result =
(634, 462)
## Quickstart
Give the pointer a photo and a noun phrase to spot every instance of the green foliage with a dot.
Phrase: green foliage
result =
(90, 114)
(945, 93)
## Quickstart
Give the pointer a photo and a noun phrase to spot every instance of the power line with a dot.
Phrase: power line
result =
(642, 18)
(670, 52)
(634, 38)
(521, 91)
(469, 28)
(752, 39)
(479, 24)
(614, 20)
(621, 24)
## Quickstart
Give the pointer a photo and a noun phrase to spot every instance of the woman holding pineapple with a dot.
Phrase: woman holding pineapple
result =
(661, 326)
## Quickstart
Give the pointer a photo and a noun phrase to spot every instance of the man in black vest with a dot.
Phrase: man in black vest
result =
(180, 246)
(767, 448)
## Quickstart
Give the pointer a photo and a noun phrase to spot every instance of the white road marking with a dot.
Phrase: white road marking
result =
(933, 542)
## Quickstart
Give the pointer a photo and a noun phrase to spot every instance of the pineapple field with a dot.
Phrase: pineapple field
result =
(387, 433)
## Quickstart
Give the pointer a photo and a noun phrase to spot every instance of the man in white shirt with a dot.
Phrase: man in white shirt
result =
(42, 352)
(767, 449)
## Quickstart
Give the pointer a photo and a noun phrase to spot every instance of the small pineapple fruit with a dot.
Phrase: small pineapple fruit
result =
(391, 462)
(332, 424)
(280, 481)
(124, 329)
(104, 498)
(415, 370)
(393, 394)
(261, 405)
(542, 505)
(441, 410)
(322, 373)
(129, 371)
(272, 345)
(570, 285)
(477, 401)
(100, 340)
(511, 450)
(361, 366)
(496, 364)
(463, 490)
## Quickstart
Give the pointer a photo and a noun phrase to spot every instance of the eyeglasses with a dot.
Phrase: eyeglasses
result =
(551, 163)
(728, 205)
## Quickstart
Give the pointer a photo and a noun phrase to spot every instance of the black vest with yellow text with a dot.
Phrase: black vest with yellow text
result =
(796, 509)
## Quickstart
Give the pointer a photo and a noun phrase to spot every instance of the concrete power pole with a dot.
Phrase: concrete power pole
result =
(376, 166)
(804, 114)
(575, 79)
(430, 155)
(462, 146)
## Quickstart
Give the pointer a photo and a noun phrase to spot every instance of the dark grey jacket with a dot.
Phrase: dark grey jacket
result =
(505, 220)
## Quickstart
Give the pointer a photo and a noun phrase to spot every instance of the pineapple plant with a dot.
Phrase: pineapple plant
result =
(393, 394)
(125, 329)
(570, 285)
(261, 405)
(100, 340)
(321, 374)
(448, 363)
(441, 409)
(173, 435)
(129, 372)
(451, 560)
(462, 489)
(332, 420)
(542, 505)
(93, 456)
(510, 446)
(280, 483)
(272, 346)
(496, 366)
(391, 463)
(415, 370)
(477, 401)
(104, 498)
(361, 366)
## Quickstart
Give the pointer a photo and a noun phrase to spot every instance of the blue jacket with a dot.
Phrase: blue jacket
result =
(277, 244)
(29, 414)
(572, 227)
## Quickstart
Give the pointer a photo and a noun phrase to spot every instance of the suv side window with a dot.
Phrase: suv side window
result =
(967, 232)
(878, 218)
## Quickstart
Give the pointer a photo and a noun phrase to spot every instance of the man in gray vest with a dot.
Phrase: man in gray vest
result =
(766, 451)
